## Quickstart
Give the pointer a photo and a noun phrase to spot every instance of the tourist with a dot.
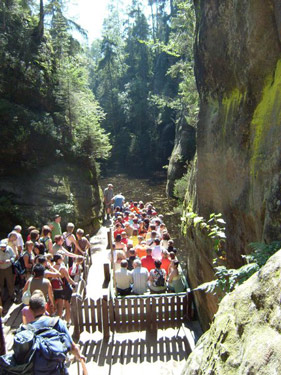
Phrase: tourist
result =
(7, 258)
(166, 261)
(140, 277)
(175, 283)
(37, 305)
(57, 285)
(118, 201)
(12, 241)
(148, 261)
(20, 244)
(119, 245)
(131, 259)
(171, 247)
(118, 230)
(157, 249)
(46, 239)
(39, 281)
(67, 282)
(34, 235)
(29, 229)
(83, 243)
(56, 226)
(141, 249)
(70, 242)
(124, 238)
(28, 259)
(124, 279)
(108, 199)
(38, 248)
(26, 312)
(157, 278)
(165, 240)
(128, 229)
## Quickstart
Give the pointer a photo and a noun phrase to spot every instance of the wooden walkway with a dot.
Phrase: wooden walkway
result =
(163, 351)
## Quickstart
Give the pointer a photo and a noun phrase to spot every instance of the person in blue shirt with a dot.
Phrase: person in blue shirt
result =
(37, 305)
(118, 200)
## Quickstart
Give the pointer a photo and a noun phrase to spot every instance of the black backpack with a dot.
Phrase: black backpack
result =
(160, 281)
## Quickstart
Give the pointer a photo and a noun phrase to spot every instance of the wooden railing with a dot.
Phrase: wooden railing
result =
(130, 313)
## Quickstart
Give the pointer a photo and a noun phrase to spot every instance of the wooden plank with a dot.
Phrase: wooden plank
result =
(80, 314)
(86, 312)
(148, 314)
(179, 312)
(130, 315)
(166, 304)
(160, 313)
(105, 320)
(142, 314)
(184, 308)
(117, 315)
(136, 315)
(173, 310)
(93, 316)
(123, 315)
(99, 314)
(153, 314)
(111, 315)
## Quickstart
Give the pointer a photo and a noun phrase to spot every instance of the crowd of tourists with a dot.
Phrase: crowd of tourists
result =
(144, 257)
(48, 263)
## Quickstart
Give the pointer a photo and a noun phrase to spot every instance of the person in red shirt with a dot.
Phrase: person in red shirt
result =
(124, 238)
(165, 261)
(141, 249)
(148, 261)
(118, 229)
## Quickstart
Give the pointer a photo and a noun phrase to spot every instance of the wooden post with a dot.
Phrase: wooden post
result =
(74, 318)
(105, 320)
(106, 270)
(112, 258)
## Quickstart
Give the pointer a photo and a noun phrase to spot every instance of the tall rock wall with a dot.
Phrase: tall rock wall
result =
(244, 338)
(238, 72)
(70, 189)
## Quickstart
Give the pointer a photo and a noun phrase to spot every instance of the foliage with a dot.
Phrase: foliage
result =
(143, 78)
(47, 110)
(262, 252)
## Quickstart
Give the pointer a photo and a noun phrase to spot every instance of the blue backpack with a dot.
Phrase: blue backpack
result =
(37, 351)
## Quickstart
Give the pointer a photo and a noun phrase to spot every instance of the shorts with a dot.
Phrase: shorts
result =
(58, 294)
(67, 293)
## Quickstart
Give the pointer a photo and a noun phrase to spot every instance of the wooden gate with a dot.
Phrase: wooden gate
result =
(131, 313)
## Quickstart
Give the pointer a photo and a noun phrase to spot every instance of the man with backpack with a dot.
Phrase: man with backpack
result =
(40, 347)
(157, 278)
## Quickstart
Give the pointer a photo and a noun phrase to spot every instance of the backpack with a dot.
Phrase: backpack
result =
(160, 280)
(37, 351)
(44, 242)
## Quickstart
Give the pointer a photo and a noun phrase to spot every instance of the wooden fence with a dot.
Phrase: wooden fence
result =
(131, 313)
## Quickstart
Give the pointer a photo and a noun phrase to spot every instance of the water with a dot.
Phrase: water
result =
(151, 189)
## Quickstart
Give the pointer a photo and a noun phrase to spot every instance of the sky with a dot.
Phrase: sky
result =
(90, 14)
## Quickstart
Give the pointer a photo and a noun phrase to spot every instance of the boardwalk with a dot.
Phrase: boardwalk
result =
(161, 352)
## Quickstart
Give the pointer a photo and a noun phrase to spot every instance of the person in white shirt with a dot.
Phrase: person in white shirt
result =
(124, 279)
(157, 250)
(140, 277)
(20, 243)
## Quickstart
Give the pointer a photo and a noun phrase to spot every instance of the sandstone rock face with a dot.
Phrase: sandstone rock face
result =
(70, 190)
(244, 338)
(238, 72)
(183, 151)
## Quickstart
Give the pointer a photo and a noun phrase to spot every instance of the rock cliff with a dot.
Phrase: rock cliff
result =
(237, 173)
(69, 189)
(245, 336)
